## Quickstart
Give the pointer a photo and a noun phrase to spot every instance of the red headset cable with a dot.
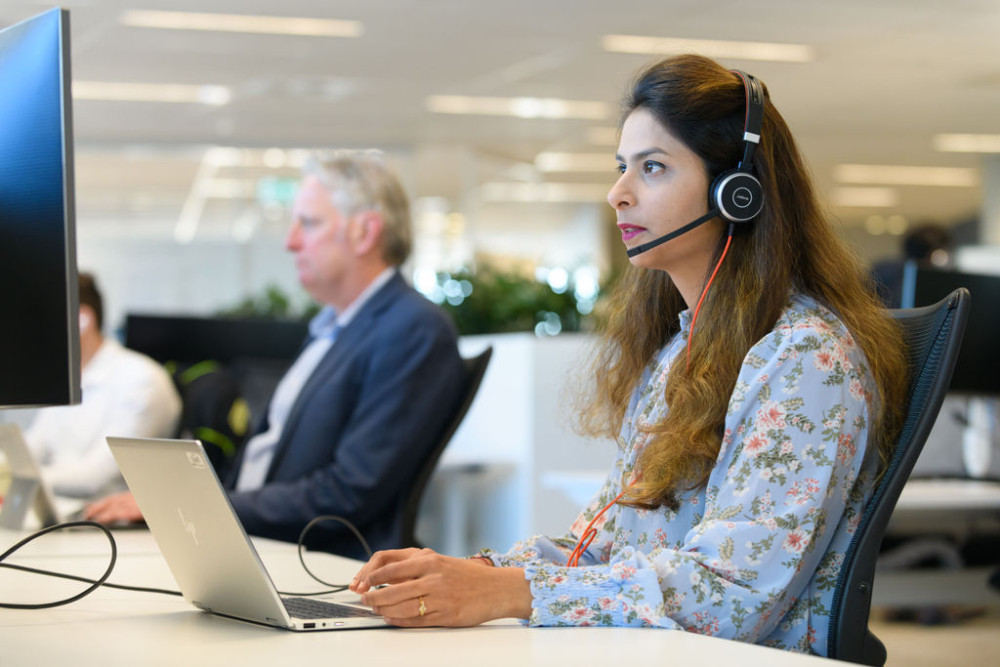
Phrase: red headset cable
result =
(589, 534)
(697, 309)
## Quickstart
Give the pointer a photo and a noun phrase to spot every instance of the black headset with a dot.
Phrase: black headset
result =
(737, 193)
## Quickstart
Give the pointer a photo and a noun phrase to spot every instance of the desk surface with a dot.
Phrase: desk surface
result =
(949, 495)
(112, 627)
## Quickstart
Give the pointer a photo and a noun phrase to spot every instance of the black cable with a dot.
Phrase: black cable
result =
(137, 589)
(103, 580)
(73, 577)
(302, 538)
(45, 531)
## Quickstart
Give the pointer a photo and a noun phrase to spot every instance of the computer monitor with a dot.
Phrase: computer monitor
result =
(39, 334)
(978, 368)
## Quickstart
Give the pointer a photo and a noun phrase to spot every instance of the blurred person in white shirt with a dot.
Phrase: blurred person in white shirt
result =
(124, 394)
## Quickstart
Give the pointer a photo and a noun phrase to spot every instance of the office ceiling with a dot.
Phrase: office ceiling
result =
(888, 75)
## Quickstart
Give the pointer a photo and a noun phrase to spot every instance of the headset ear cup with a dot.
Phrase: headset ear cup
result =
(738, 195)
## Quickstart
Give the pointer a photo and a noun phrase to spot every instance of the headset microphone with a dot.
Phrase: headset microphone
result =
(632, 252)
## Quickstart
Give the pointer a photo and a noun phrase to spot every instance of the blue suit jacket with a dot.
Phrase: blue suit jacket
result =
(364, 422)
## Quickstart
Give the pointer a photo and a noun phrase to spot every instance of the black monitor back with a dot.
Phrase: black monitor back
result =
(978, 367)
(39, 333)
(257, 352)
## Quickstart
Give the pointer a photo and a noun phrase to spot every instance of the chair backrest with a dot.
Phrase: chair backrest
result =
(213, 410)
(475, 368)
(933, 335)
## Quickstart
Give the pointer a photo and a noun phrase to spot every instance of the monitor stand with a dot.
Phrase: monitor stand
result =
(22, 495)
(26, 491)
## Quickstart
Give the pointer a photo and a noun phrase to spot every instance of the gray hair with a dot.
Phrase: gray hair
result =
(361, 180)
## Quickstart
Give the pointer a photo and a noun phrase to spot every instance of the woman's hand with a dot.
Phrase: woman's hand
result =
(425, 588)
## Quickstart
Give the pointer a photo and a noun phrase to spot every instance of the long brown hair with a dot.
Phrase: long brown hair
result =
(789, 247)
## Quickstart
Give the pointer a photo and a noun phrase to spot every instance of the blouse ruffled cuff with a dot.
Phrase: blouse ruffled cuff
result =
(617, 595)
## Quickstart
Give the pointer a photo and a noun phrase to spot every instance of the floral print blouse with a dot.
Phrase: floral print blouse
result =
(754, 555)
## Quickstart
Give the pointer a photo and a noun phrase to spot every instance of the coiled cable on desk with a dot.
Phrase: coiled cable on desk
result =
(96, 583)
(103, 580)
(302, 540)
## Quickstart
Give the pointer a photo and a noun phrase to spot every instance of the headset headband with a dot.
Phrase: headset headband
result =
(754, 117)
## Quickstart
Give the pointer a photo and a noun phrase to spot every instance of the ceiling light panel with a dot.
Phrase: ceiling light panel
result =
(520, 107)
(713, 48)
(576, 162)
(544, 192)
(967, 143)
(274, 25)
(151, 92)
(866, 197)
(875, 174)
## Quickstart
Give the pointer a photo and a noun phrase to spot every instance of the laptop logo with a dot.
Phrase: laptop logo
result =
(189, 527)
(196, 460)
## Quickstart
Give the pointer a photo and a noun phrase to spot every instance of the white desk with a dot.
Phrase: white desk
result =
(956, 507)
(93, 542)
(113, 627)
(921, 495)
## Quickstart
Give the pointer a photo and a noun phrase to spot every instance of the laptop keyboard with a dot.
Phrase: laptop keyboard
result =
(310, 608)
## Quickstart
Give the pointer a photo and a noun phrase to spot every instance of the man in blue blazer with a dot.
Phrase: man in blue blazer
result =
(373, 388)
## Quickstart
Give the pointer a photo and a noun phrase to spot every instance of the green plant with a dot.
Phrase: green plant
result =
(494, 301)
(272, 304)
(488, 300)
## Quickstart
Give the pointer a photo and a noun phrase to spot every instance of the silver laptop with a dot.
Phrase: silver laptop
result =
(27, 490)
(208, 552)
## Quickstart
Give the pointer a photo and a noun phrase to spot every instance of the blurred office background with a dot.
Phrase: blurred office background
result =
(501, 118)
(192, 118)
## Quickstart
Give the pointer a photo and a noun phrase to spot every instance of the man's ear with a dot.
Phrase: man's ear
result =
(366, 233)
(86, 318)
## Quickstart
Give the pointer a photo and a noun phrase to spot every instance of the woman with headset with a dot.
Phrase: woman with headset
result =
(750, 376)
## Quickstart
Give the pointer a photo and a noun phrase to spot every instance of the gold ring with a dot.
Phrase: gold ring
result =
(422, 609)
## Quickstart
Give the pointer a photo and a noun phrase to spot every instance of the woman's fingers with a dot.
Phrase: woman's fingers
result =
(363, 579)
(392, 595)
(412, 611)
(407, 604)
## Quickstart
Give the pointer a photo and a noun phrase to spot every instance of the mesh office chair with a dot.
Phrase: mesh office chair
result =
(475, 368)
(933, 335)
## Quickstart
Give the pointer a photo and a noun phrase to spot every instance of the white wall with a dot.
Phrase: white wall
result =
(159, 275)
(501, 478)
